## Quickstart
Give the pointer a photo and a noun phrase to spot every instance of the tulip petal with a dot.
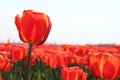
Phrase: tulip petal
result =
(95, 70)
(108, 70)
(17, 22)
(28, 24)
(42, 29)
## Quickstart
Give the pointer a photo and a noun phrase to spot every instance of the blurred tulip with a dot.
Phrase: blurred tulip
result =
(73, 73)
(83, 50)
(18, 53)
(104, 65)
(5, 63)
(8, 67)
(81, 61)
(70, 48)
(33, 27)
(63, 59)
(52, 61)
(2, 47)
(45, 58)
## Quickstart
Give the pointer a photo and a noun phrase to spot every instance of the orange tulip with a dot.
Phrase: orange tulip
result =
(5, 62)
(73, 73)
(18, 53)
(33, 27)
(104, 65)
(63, 59)
(8, 67)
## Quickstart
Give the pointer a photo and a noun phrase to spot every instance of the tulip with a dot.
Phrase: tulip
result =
(63, 59)
(52, 61)
(33, 28)
(18, 53)
(5, 63)
(73, 73)
(45, 58)
(81, 60)
(8, 67)
(104, 65)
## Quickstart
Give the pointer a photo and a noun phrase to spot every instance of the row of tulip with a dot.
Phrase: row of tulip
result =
(60, 62)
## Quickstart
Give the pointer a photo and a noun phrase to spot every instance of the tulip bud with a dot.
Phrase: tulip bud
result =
(33, 27)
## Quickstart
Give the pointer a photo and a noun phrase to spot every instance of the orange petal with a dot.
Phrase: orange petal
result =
(108, 70)
(17, 22)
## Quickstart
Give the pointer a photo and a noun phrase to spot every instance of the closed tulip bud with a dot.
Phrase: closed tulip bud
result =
(33, 27)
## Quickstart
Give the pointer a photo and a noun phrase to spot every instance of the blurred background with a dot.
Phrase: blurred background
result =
(73, 21)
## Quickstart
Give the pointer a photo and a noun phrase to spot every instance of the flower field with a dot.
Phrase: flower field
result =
(34, 60)
(60, 62)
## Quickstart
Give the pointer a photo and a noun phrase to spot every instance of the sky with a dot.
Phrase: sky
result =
(73, 21)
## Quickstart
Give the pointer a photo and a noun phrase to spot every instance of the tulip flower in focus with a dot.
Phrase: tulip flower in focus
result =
(104, 65)
(33, 27)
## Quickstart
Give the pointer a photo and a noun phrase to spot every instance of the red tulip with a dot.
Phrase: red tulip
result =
(45, 58)
(63, 59)
(104, 65)
(33, 27)
(2, 47)
(83, 50)
(52, 61)
(8, 67)
(18, 53)
(68, 47)
(81, 60)
(73, 73)
(4, 62)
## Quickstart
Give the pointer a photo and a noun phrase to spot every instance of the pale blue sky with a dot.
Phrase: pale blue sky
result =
(73, 21)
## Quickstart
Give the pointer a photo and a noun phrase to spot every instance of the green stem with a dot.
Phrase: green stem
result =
(28, 62)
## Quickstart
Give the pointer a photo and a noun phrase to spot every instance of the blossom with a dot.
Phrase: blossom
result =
(33, 27)
(73, 73)
(104, 65)
(18, 53)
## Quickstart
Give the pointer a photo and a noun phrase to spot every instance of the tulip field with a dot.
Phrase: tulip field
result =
(34, 60)
(60, 62)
